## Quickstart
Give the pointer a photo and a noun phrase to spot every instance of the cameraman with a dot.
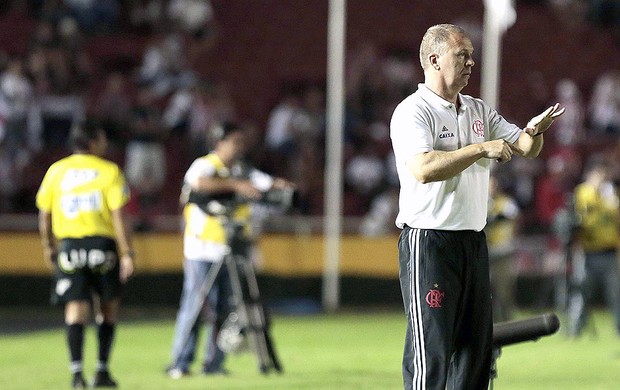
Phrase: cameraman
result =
(597, 206)
(219, 175)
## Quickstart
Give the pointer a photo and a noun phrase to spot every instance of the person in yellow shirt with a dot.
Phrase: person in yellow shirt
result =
(597, 206)
(220, 174)
(86, 243)
(501, 230)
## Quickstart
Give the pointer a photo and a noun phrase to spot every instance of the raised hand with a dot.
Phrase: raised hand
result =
(540, 123)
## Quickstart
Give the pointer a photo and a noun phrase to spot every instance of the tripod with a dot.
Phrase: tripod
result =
(249, 319)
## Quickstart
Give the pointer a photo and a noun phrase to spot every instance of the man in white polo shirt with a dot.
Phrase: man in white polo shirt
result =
(444, 142)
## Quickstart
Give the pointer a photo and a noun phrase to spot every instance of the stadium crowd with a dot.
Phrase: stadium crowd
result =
(158, 109)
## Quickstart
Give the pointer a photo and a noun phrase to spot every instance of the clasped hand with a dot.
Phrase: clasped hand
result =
(500, 150)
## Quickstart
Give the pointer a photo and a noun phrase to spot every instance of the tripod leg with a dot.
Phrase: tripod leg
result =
(259, 318)
(272, 352)
(246, 311)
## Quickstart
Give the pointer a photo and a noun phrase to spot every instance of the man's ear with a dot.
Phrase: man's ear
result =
(433, 59)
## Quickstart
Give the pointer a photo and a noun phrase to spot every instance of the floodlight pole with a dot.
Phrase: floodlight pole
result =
(498, 16)
(336, 30)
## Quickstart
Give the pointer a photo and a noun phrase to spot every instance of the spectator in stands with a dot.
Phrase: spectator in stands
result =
(9, 176)
(364, 173)
(400, 73)
(605, 13)
(145, 156)
(570, 128)
(16, 92)
(562, 173)
(363, 71)
(113, 106)
(523, 176)
(572, 13)
(471, 22)
(195, 17)
(309, 120)
(164, 67)
(604, 106)
(379, 220)
(307, 168)
(194, 111)
(100, 16)
(62, 106)
(280, 132)
(44, 33)
(539, 92)
(146, 16)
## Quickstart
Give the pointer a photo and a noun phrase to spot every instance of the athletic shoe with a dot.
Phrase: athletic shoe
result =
(78, 381)
(177, 373)
(103, 379)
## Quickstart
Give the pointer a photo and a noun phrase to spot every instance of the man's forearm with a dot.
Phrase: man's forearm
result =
(440, 165)
(531, 146)
(45, 230)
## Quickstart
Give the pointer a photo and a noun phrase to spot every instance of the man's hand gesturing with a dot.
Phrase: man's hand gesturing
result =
(540, 123)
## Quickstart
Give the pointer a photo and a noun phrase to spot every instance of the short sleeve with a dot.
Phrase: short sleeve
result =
(45, 192)
(200, 168)
(410, 131)
(118, 194)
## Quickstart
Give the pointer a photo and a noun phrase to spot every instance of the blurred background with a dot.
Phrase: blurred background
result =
(166, 71)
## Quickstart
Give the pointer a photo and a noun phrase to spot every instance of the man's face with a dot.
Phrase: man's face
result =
(456, 63)
(233, 146)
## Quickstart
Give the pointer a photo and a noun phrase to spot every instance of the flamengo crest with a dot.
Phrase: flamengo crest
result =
(478, 128)
(434, 297)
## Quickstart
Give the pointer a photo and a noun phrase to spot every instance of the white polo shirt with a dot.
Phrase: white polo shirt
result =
(424, 122)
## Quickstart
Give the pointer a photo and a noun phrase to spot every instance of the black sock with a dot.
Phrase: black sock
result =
(75, 340)
(105, 333)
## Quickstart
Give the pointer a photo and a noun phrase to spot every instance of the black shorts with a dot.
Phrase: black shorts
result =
(85, 266)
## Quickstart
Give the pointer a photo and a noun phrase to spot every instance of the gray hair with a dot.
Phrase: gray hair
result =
(435, 41)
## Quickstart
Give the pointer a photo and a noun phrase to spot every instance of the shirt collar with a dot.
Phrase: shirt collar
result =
(438, 100)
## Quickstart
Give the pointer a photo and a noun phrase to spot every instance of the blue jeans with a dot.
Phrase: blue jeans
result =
(217, 306)
(598, 270)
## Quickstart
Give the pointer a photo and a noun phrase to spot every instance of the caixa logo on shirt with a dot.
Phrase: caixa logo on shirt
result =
(445, 133)
(95, 259)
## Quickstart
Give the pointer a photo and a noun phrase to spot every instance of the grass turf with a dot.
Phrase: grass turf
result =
(341, 351)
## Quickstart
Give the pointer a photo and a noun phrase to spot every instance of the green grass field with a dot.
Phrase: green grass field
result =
(341, 351)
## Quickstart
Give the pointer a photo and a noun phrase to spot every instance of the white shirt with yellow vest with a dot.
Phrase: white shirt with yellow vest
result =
(205, 237)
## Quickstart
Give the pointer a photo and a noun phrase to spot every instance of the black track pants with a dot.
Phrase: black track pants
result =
(444, 278)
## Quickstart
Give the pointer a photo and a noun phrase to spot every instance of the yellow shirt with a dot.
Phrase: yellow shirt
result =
(205, 235)
(81, 191)
(502, 214)
(599, 215)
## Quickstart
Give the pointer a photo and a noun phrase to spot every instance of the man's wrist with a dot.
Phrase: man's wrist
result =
(529, 130)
